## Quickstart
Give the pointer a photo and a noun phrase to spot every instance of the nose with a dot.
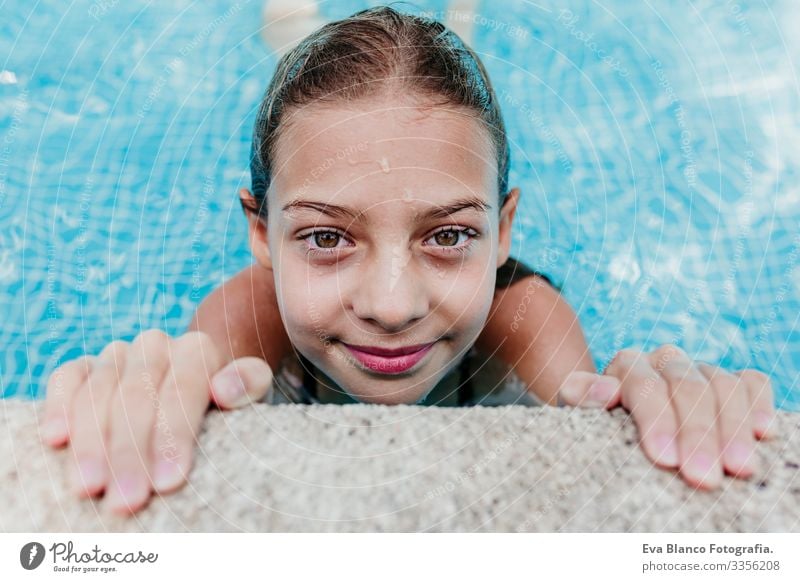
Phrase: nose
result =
(389, 292)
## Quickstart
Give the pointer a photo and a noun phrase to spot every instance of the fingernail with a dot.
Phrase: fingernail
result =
(91, 476)
(763, 422)
(54, 430)
(741, 455)
(127, 493)
(601, 390)
(231, 388)
(570, 394)
(167, 475)
(702, 468)
(667, 450)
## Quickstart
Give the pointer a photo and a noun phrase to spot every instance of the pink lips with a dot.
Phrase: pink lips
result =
(390, 361)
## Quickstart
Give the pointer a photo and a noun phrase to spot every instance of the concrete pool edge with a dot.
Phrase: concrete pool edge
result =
(407, 468)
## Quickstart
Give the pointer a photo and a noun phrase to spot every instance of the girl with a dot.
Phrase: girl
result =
(380, 218)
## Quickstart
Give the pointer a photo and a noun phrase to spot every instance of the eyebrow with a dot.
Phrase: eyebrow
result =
(336, 211)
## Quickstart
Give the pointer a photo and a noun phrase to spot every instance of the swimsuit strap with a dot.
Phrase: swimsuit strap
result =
(465, 391)
(309, 386)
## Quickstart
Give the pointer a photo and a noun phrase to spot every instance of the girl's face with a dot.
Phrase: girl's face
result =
(384, 237)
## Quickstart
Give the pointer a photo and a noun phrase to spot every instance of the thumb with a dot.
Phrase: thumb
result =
(241, 382)
(587, 389)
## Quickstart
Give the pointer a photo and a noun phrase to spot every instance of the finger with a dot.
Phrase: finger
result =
(131, 422)
(762, 402)
(590, 390)
(61, 387)
(696, 409)
(646, 395)
(89, 420)
(184, 400)
(735, 421)
(241, 382)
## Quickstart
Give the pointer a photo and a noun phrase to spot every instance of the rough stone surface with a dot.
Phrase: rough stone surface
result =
(408, 468)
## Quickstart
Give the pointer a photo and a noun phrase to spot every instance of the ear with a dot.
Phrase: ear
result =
(257, 229)
(506, 220)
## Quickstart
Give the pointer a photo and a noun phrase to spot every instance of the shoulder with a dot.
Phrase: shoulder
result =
(513, 271)
(242, 317)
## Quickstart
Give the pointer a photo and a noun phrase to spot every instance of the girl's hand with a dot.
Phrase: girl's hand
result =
(689, 414)
(132, 413)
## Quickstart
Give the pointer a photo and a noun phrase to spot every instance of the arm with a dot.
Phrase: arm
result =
(690, 415)
(242, 317)
(534, 330)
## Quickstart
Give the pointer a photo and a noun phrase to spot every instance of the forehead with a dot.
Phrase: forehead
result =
(386, 150)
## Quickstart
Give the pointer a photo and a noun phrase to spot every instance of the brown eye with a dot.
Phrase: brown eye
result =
(326, 240)
(323, 243)
(447, 238)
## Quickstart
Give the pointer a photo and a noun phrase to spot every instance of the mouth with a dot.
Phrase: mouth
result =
(390, 361)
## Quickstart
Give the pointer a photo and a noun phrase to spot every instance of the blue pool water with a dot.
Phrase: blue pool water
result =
(657, 146)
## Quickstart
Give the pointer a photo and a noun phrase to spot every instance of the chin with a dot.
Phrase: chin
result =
(392, 399)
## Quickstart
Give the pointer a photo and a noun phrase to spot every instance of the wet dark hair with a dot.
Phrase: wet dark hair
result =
(375, 51)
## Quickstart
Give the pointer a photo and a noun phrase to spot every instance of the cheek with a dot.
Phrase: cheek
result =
(309, 305)
(467, 300)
